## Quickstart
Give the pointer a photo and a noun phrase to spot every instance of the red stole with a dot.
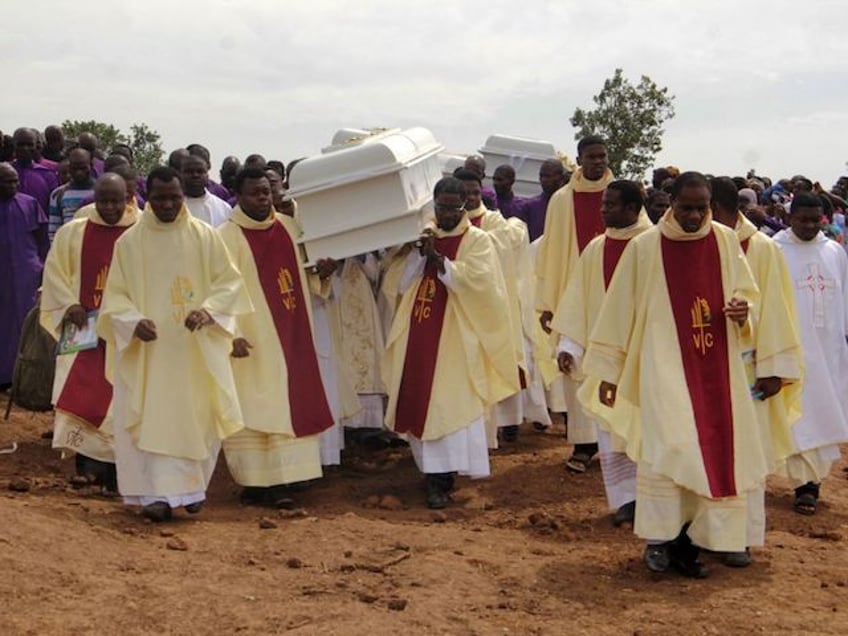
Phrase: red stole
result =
(588, 220)
(279, 277)
(745, 244)
(422, 346)
(693, 276)
(477, 220)
(87, 393)
(613, 249)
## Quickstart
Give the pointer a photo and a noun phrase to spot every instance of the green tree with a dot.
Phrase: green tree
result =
(146, 146)
(106, 134)
(631, 119)
(145, 142)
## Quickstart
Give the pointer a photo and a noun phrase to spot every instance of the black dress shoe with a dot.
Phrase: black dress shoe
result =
(437, 493)
(657, 558)
(252, 495)
(738, 559)
(279, 497)
(509, 434)
(684, 558)
(194, 508)
(625, 514)
(157, 512)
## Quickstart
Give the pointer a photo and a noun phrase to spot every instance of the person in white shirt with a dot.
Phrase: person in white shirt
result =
(202, 204)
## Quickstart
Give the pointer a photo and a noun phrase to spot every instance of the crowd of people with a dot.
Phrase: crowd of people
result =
(692, 332)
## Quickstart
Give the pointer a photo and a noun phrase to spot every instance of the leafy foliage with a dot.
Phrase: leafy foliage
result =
(145, 142)
(631, 119)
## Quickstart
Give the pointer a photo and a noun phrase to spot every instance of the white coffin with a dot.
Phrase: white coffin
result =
(525, 155)
(366, 192)
(450, 162)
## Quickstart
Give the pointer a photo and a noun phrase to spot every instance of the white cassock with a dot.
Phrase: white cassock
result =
(362, 338)
(819, 270)
(209, 209)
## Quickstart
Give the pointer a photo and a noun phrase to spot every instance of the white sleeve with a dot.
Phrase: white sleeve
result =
(414, 269)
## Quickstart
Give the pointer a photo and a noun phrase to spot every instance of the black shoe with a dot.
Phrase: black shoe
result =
(194, 508)
(684, 556)
(157, 512)
(252, 495)
(657, 558)
(540, 427)
(625, 514)
(280, 497)
(509, 433)
(437, 494)
(738, 559)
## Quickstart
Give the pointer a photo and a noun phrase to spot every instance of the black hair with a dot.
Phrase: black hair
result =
(630, 192)
(467, 175)
(686, 180)
(277, 166)
(124, 170)
(251, 172)
(740, 182)
(508, 169)
(590, 140)
(724, 193)
(805, 200)
(165, 174)
(449, 185)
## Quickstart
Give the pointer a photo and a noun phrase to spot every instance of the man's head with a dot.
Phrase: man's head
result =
(110, 197)
(129, 175)
(88, 141)
(552, 176)
(657, 203)
(800, 183)
(690, 200)
(54, 138)
(724, 200)
(113, 161)
(277, 189)
(473, 188)
(659, 176)
(24, 140)
(806, 216)
(165, 193)
(125, 151)
(175, 159)
(8, 182)
(592, 157)
(621, 204)
(254, 192)
(449, 202)
(255, 161)
(277, 166)
(195, 175)
(63, 171)
(477, 165)
(79, 167)
(196, 150)
(229, 168)
(39, 144)
(503, 179)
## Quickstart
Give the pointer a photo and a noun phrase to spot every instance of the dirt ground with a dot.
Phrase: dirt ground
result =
(73, 562)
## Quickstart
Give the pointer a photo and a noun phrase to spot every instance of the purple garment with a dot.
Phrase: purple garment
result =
(533, 212)
(96, 167)
(23, 248)
(141, 188)
(36, 181)
(510, 205)
(219, 191)
(233, 201)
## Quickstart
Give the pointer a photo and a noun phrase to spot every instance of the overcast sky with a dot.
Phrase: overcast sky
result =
(759, 83)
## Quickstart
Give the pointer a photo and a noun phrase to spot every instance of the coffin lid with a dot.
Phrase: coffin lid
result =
(518, 147)
(360, 158)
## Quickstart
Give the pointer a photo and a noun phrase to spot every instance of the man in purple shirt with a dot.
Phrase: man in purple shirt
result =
(88, 141)
(34, 179)
(23, 248)
(532, 211)
(54, 144)
(503, 179)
